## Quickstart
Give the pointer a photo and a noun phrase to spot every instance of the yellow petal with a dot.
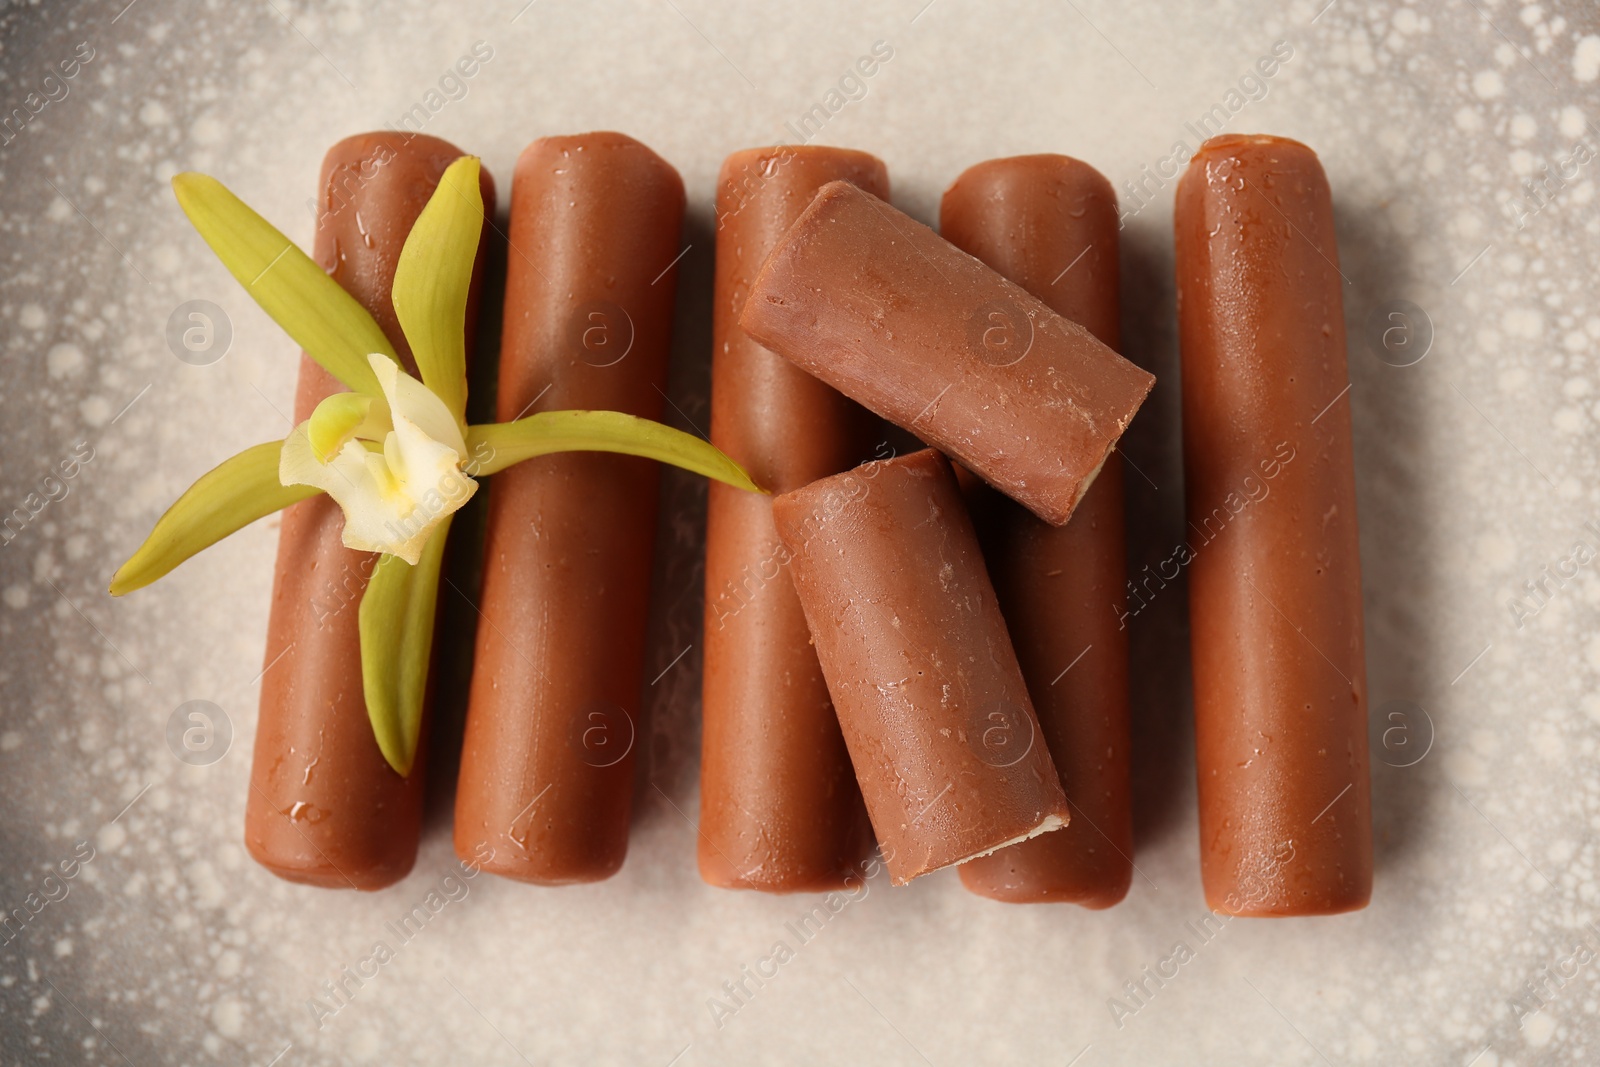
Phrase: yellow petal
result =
(228, 498)
(496, 446)
(432, 278)
(396, 622)
(343, 417)
(333, 328)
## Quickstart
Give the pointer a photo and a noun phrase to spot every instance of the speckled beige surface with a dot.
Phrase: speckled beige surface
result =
(1477, 476)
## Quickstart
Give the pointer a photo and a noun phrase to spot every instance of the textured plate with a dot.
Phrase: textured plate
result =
(1476, 467)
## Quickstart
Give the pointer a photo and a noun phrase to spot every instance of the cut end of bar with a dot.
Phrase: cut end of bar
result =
(1088, 480)
(1277, 908)
(765, 159)
(1111, 446)
(1225, 156)
(564, 154)
(323, 873)
(753, 318)
(1052, 821)
(1233, 142)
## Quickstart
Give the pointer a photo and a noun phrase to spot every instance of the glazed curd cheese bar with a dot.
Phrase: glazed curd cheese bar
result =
(553, 726)
(324, 806)
(780, 811)
(942, 734)
(1049, 223)
(1280, 694)
(892, 315)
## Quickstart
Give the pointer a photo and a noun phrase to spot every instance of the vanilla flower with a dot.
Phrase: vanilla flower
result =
(393, 452)
(393, 462)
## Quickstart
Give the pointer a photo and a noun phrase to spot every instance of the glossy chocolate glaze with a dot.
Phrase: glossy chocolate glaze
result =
(779, 807)
(889, 313)
(1049, 223)
(324, 807)
(553, 718)
(934, 710)
(1275, 583)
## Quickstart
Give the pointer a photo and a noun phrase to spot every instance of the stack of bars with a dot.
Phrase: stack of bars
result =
(885, 629)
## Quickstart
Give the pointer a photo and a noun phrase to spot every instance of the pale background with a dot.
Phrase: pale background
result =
(1476, 467)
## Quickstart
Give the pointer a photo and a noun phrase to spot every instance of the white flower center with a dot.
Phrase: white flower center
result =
(398, 472)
